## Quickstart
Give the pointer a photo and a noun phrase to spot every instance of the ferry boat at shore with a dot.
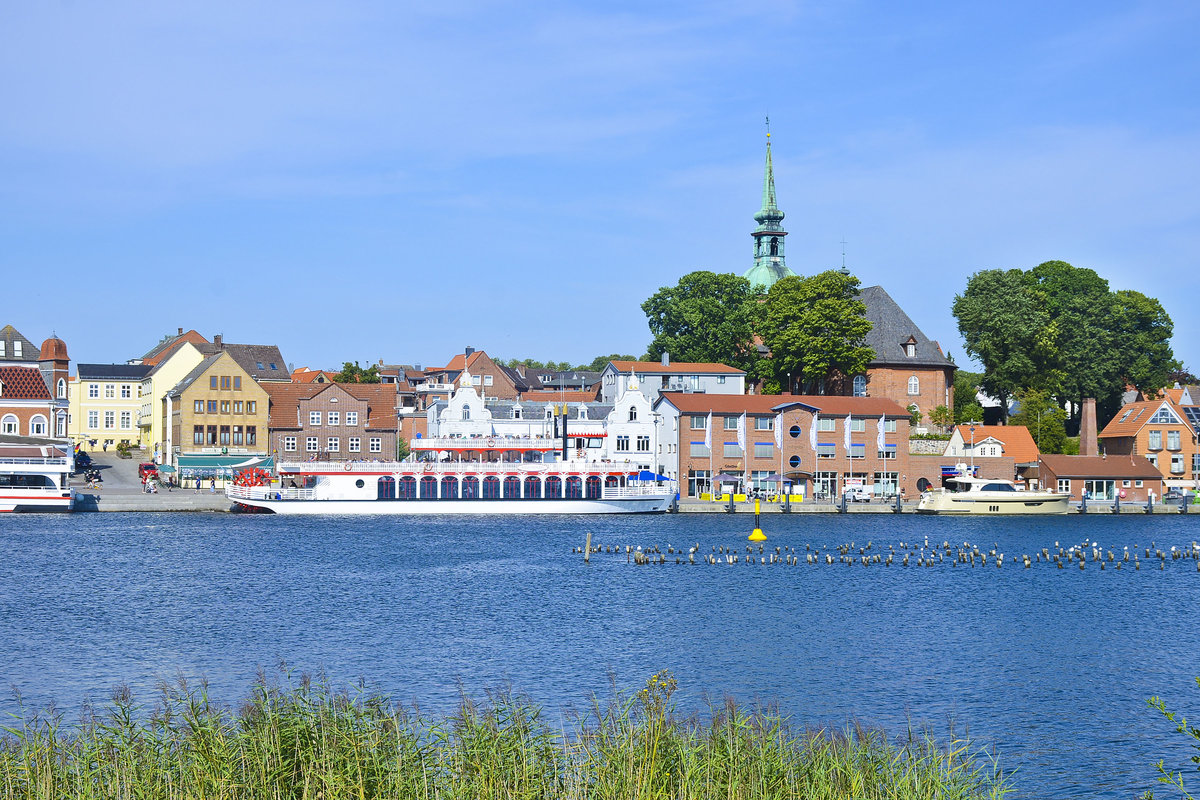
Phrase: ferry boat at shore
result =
(466, 487)
(968, 494)
(35, 478)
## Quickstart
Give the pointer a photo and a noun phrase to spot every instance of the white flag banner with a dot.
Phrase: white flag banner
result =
(847, 435)
(779, 431)
(708, 432)
(741, 431)
(879, 440)
(812, 432)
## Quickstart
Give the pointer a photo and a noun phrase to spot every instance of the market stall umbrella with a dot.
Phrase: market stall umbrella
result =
(647, 475)
(724, 478)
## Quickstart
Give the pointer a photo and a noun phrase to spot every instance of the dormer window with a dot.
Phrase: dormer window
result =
(2, 343)
(466, 413)
(582, 413)
(516, 412)
(910, 347)
(633, 414)
(17, 348)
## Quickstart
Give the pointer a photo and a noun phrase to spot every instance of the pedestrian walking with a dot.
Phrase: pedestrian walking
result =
(197, 486)
(212, 485)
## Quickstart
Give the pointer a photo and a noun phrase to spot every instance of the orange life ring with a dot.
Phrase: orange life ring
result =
(347, 466)
(491, 442)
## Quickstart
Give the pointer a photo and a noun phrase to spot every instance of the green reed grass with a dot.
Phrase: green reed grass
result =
(308, 742)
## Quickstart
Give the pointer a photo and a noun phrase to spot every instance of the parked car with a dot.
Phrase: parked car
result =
(1172, 495)
(858, 494)
(147, 468)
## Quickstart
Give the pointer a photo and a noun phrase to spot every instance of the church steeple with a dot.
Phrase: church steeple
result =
(769, 265)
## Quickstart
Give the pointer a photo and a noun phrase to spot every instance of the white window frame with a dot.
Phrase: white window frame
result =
(314, 419)
(311, 444)
(375, 444)
(333, 444)
(93, 420)
(354, 444)
(94, 391)
(110, 391)
(110, 420)
(126, 391)
(289, 444)
(487, 380)
(764, 423)
(10, 424)
(38, 425)
(333, 418)
(914, 385)
(352, 419)
(126, 420)
(643, 443)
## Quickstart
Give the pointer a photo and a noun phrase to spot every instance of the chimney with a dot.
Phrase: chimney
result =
(666, 359)
(217, 341)
(181, 331)
(1088, 441)
(468, 351)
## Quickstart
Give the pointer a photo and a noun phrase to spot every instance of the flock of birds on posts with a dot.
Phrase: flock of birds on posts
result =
(905, 554)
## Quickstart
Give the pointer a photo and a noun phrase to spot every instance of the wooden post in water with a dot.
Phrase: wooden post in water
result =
(587, 549)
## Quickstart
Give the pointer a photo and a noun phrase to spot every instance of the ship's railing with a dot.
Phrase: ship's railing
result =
(39, 462)
(267, 493)
(637, 490)
(54, 491)
(487, 443)
(458, 467)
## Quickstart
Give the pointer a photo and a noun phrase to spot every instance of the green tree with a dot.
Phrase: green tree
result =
(600, 362)
(354, 373)
(1142, 331)
(706, 317)
(1007, 331)
(816, 330)
(1044, 418)
(402, 448)
(966, 386)
(942, 417)
(1079, 308)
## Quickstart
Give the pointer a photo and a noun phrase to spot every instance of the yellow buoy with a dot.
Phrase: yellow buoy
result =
(757, 535)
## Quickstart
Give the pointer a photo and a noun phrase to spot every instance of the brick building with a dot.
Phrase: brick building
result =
(1160, 432)
(1128, 477)
(33, 386)
(338, 421)
(856, 440)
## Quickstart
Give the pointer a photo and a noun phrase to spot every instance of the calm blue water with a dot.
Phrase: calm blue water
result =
(1050, 667)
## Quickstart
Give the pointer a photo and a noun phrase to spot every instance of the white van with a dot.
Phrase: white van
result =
(858, 494)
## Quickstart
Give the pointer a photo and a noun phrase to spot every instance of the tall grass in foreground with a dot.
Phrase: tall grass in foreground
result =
(309, 742)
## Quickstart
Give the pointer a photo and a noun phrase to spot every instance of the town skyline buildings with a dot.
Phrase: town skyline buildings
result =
(268, 172)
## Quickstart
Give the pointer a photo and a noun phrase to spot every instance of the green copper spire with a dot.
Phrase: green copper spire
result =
(769, 265)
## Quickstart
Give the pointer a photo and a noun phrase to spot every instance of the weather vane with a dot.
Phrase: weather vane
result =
(768, 127)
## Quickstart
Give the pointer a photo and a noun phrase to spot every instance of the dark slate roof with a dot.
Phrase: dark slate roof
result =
(129, 372)
(891, 328)
(519, 383)
(1193, 416)
(29, 350)
(250, 356)
(192, 376)
(22, 383)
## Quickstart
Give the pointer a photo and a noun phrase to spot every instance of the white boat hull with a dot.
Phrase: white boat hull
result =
(20, 500)
(1010, 503)
(650, 504)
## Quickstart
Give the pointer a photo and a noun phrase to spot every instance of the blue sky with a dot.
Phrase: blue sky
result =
(356, 181)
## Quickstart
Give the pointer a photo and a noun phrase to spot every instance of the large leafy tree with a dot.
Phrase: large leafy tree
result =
(600, 362)
(816, 329)
(1006, 329)
(1079, 308)
(1045, 419)
(706, 317)
(966, 386)
(1142, 341)
(354, 373)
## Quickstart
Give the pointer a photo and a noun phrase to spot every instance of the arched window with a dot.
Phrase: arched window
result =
(512, 488)
(491, 488)
(386, 488)
(533, 488)
(449, 488)
(408, 488)
(62, 388)
(553, 488)
(774, 245)
(428, 488)
(37, 426)
(914, 385)
(860, 385)
(470, 488)
(466, 412)
(592, 487)
(633, 413)
(9, 424)
(574, 487)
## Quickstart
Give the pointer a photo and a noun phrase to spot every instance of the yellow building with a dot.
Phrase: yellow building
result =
(161, 378)
(216, 420)
(105, 405)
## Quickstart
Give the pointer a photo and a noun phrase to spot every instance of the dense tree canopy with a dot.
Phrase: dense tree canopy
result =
(815, 329)
(354, 373)
(600, 362)
(706, 317)
(557, 366)
(966, 386)
(1060, 330)
(1045, 419)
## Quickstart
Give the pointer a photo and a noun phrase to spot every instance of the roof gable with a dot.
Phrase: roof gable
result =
(891, 329)
(10, 337)
(1134, 416)
(22, 383)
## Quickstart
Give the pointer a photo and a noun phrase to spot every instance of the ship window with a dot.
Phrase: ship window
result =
(360, 483)
(593, 487)
(574, 487)
(386, 488)
(408, 488)
(449, 488)
(491, 488)
(470, 488)
(998, 487)
(429, 488)
(533, 488)
(553, 488)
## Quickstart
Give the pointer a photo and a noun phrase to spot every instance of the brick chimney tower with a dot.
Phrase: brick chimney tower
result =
(1088, 445)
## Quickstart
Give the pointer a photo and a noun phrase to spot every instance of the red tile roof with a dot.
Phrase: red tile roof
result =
(654, 367)
(1133, 416)
(1101, 467)
(460, 362)
(1018, 443)
(306, 375)
(22, 383)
